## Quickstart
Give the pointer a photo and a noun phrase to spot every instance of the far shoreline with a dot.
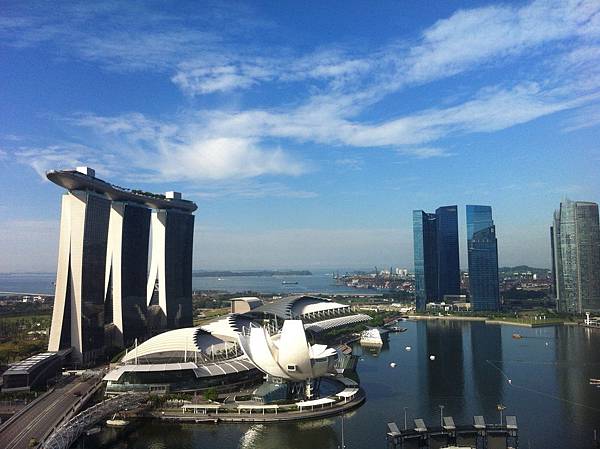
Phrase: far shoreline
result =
(490, 321)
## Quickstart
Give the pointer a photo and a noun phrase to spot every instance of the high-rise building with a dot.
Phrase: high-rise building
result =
(436, 255)
(482, 248)
(126, 272)
(448, 251)
(576, 256)
(78, 314)
(170, 280)
(101, 284)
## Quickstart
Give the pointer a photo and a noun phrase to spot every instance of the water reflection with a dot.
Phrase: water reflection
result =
(445, 374)
(308, 434)
(486, 355)
(578, 360)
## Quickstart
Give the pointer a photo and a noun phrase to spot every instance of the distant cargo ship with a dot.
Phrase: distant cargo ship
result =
(289, 283)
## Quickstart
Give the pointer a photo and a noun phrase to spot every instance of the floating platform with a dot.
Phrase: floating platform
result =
(476, 435)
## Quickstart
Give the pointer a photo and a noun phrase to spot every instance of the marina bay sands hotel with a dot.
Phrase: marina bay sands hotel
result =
(124, 265)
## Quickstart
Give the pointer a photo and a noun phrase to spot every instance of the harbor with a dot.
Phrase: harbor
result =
(469, 377)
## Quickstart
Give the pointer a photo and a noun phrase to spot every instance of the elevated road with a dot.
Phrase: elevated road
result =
(45, 414)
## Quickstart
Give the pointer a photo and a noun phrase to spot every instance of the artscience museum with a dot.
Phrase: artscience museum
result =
(256, 343)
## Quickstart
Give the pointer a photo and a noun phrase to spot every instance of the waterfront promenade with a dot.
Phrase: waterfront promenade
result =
(267, 414)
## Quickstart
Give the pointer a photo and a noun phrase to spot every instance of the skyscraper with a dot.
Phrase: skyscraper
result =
(170, 280)
(447, 251)
(78, 314)
(436, 255)
(482, 248)
(576, 256)
(101, 281)
(127, 271)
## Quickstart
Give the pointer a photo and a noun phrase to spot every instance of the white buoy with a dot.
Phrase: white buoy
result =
(431, 357)
(393, 365)
(408, 348)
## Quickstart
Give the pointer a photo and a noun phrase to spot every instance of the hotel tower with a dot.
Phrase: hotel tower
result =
(102, 286)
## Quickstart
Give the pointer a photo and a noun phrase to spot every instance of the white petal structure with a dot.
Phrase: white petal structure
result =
(288, 354)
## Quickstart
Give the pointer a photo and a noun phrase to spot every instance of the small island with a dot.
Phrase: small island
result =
(226, 273)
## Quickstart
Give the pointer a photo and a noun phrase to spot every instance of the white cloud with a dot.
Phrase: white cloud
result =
(342, 86)
(223, 158)
(163, 151)
(426, 152)
(248, 189)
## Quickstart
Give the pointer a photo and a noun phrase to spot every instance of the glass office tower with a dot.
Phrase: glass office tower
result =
(576, 256)
(425, 256)
(483, 259)
(447, 251)
(436, 256)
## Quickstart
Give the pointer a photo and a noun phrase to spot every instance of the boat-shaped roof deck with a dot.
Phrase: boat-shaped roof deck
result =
(75, 180)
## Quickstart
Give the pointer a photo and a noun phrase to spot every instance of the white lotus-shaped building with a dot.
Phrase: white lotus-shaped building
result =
(287, 355)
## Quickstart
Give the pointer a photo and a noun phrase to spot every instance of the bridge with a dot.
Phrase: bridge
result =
(39, 418)
(67, 433)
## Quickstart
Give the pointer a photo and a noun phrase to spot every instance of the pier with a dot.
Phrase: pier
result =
(478, 435)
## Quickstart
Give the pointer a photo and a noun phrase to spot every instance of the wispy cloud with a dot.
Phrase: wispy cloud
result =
(163, 151)
(557, 40)
(252, 190)
(588, 117)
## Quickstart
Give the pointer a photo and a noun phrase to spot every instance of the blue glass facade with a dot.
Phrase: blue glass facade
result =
(483, 259)
(447, 251)
(436, 256)
(425, 256)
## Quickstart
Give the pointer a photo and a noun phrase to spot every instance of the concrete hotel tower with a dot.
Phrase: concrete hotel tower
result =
(170, 277)
(101, 283)
(78, 314)
(126, 271)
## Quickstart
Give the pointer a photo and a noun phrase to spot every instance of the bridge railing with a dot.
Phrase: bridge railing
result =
(65, 435)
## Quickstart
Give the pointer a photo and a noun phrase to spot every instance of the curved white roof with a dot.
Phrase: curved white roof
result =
(227, 327)
(187, 339)
(303, 307)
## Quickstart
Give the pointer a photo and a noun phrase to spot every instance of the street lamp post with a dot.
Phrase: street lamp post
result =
(441, 415)
(501, 408)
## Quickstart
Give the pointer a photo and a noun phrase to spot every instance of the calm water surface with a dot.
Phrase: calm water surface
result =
(549, 369)
(318, 282)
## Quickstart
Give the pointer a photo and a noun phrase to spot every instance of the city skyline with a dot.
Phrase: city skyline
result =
(436, 255)
(303, 131)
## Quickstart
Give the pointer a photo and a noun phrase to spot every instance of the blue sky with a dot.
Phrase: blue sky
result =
(307, 132)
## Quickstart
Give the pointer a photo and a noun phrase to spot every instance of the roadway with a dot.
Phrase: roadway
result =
(45, 414)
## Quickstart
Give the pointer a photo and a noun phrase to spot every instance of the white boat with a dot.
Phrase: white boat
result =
(116, 422)
(371, 337)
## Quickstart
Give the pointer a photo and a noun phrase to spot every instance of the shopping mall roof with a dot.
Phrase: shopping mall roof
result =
(29, 364)
(292, 307)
